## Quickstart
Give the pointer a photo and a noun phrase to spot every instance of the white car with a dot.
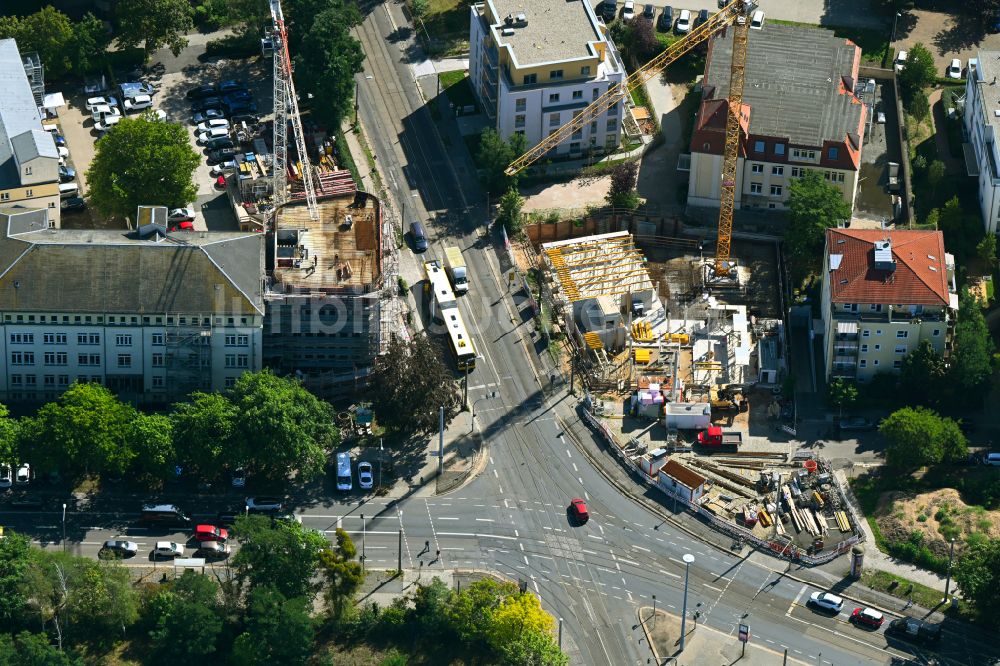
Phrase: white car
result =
(5, 477)
(955, 69)
(107, 123)
(24, 473)
(629, 13)
(900, 61)
(138, 103)
(826, 601)
(103, 100)
(214, 133)
(181, 215)
(757, 21)
(102, 111)
(167, 549)
(207, 114)
(212, 124)
(223, 168)
(365, 478)
(683, 22)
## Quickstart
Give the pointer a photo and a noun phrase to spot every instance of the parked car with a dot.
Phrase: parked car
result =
(703, 16)
(119, 548)
(578, 510)
(201, 92)
(213, 133)
(221, 155)
(231, 86)
(59, 139)
(23, 474)
(263, 504)
(757, 20)
(138, 103)
(239, 477)
(900, 61)
(102, 100)
(629, 12)
(914, 630)
(955, 69)
(6, 476)
(102, 111)
(221, 142)
(240, 107)
(826, 601)
(73, 205)
(181, 215)
(212, 550)
(237, 97)
(134, 88)
(223, 168)
(167, 549)
(868, 617)
(365, 477)
(856, 423)
(248, 118)
(649, 12)
(206, 115)
(213, 123)
(210, 533)
(666, 19)
(207, 103)
(107, 123)
(67, 174)
(185, 226)
(683, 22)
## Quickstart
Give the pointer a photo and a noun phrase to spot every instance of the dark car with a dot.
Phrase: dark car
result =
(237, 96)
(221, 155)
(702, 17)
(59, 139)
(666, 19)
(241, 106)
(578, 510)
(201, 92)
(856, 423)
(649, 12)
(912, 629)
(231, 86)
(723, 3)
(207, 103)
(248, 118)
(219, 144)
(67, 174)
(73, 205)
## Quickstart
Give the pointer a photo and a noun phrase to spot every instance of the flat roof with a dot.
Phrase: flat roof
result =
(793, 82)
(555, 30)
(987, 71)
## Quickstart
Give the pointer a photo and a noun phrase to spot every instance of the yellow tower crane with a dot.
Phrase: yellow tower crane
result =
(736, 13)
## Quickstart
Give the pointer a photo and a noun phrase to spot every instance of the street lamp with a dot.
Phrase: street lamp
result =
(947, 581)
(64, 531)
(894, 19)
(654, 611)
(492, 395)
(363, 534)
(688, 559)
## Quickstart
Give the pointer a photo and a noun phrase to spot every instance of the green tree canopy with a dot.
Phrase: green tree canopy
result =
(509, 211)
(327, 60)
(90, 42)
(149, 439)
(814, 206)
(971, 358)
(281, 426)
(142, 161)
(918, 436)
(187, 619)
(49, 32)
(986, 250)
(410, 384)
(923, 375)
(9, 438)
(15, 559)
(977, 574)
(842, 394)
(28, 649)
(919, 71)
(278, 630)
(277, 553)
(154, 24)
(494, 156)
(344, 575)
(622, 193)
(203, 432)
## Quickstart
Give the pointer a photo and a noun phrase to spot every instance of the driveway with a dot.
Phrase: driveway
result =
(946, 36)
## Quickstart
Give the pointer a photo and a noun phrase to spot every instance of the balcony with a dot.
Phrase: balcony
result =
(844, 372)
(900, 316)
(841, 348)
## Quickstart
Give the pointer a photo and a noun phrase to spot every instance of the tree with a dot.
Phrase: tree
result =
(918, 436)
(419, 8)
(842, 394)
(494, 156)
(935, 172)
(142, 161)
(923, 375)
(9, 438)
(83, 432)
(643, 43)
(278, 630)
(410, 384)
(470, 612)
(919, 71)
(281, 427)
(327, 60)
(203, 432)
(49, 32)
(977, 573)
(509, 214)
(90, 42)
(277, 553)
(917, 105)
(15, 558)
(187, 619)
(986, 250)
(622, 192)
(814, 206)
(933, 218)
(971, 358)
(28, 649)
(154, 24)
(517, 613)
(344, 576)
(149, 438)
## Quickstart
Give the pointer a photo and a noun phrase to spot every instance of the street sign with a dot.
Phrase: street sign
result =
(744, 633)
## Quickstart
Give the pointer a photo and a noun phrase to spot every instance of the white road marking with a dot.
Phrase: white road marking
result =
(622, 559)
(470, 534)
(521, 545)
(575, 468)
(485, 520)
(667, 573)
(446, 518)
(495, 474)
(580, 480)
(446, 547)
(712, 587)
(568, 454)
(594, 536)
(525, 558)
(641, 548)
(589, 552)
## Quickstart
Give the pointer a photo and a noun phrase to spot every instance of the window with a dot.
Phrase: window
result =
(157, 360)
(157, 339)
(577, 94)
(22, 338)
(123, 340)
(529, 80)
(30, 380)
(230, 382)
(779, 149)
(4, 196)
(900, 349)
(49, 381)
(27, 171)
(55, 358)
(776, 190)
(897, 364)
(796, 172)
(585, 70)
(777, 171)
(124, 360)
(613, 111)
(612, 126)
(758, 146)
(63, 380)
(756, 168)
(54, 338)
(230, 360)
(756, 188)
(242, 361)
(863, 363)
(878, 347)
(520, 104)
(864, 349)
(878, 331)
(594, 94)
(519, 121)
(15, 380)
(157, 382)
(553, 98)
(936, 332)
(88, 338)
(902, 334)
(865, 333)
(876, 362)
(832, 153)
(29, 193)
(875, 307)
(17, 358)
(554, 120)
(555, 74)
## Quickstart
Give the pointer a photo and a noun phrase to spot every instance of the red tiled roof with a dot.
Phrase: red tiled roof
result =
(920, 278)
(683, 475)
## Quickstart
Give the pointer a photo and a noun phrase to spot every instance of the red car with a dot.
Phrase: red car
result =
(210, 533)
(867, 617)
(578, 509)
(183, 226)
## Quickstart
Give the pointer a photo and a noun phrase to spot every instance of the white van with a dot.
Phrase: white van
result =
(344, 481)
(67, 190)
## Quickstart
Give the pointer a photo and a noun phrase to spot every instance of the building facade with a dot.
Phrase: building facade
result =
(981, 119)
(149, 314)
(29, 160)
(883, 293)
(800, 112)
(534, 67)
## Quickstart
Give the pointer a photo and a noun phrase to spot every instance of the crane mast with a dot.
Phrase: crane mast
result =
(286, 108)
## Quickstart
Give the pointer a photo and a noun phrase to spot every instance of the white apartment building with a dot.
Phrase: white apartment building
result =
(981, 119)
(534, 67)
(149, 314)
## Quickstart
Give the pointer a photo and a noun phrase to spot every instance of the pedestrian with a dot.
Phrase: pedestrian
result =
(427, 546)
(437, 554)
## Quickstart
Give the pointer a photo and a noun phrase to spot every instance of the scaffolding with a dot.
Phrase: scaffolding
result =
(602, 265)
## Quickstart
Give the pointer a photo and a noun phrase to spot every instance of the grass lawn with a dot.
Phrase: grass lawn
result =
(928, 597)
(447, 27)
(456, 86)
(953, 126)
(873, 43)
